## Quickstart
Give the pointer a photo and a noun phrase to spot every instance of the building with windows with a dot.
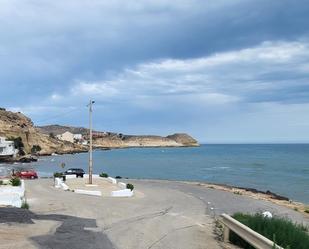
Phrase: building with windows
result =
(7, 148)
(67, 136)
(78, 137)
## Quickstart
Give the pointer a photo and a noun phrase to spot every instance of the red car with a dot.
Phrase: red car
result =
(26, 174)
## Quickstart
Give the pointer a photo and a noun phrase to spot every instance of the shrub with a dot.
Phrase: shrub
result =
(105, 175)
(130, 186)
(237, 193)
(1, 182)
(35, 149)
(58, 174)
(21, 152)
(307, 210)
(15, 181)
(286, 233)
(18, 142)
(25, 205)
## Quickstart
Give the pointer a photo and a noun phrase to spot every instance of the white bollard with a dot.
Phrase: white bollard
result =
(58, 182)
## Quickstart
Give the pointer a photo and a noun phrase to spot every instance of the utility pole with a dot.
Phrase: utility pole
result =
(90, 141)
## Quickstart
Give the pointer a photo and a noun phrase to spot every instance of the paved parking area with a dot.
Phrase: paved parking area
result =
(163, 215)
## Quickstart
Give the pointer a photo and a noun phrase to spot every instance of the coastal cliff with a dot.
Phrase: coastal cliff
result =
(125, 141)
(14, 125)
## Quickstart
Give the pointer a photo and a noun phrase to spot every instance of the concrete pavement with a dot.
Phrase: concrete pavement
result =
(163, 214)
(155, 218)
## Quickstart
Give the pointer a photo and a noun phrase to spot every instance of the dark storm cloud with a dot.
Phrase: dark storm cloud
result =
(147, 58)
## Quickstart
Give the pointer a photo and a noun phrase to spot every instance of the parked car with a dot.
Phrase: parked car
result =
(26, 174)
(74, 171)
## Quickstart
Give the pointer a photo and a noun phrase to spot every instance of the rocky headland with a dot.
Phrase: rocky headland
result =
(119, 140)
(16, 125)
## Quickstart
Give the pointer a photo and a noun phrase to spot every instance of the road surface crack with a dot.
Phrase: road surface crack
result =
(165, 235)
(139, 218)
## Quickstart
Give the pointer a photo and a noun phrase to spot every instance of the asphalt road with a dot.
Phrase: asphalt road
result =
(73, 232)
(218, 201)
(163, 214)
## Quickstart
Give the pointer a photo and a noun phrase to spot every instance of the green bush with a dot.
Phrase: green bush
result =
(25, 205)
(105, 175)
(35, 149)
(58, 174)
(130, 186)
(1, 182)
(15, 181)
(286, 233)
(18, 142)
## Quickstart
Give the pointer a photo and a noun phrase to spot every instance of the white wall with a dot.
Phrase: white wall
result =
(122, 193)
(12, 196)
(7, 148)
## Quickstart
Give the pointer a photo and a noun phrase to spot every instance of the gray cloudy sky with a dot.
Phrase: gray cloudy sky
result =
(221, 70)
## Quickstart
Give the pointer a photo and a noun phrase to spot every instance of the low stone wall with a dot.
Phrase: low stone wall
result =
(88, 192)
(12, 195)
(122, 193)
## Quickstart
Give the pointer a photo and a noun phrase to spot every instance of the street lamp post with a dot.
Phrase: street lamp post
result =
(90, 141)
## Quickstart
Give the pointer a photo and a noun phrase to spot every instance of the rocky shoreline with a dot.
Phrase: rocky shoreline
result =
(258, 195)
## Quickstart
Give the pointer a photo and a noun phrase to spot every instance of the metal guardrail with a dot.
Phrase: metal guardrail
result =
(253, 238)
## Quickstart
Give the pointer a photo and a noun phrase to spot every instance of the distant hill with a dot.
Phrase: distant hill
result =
(60, 129)
(119, 140)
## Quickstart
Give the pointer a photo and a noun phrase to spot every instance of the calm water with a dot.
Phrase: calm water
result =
(283, 169)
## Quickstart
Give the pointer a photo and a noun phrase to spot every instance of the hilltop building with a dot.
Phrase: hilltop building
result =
(67, 136)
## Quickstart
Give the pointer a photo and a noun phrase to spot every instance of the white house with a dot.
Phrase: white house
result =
(78, 136)
(67, 136)
(7, 148)
(84, 142)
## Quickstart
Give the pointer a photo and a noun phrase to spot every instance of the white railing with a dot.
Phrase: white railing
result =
(253, 238)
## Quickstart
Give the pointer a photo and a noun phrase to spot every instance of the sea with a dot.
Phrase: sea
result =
(280, 168)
